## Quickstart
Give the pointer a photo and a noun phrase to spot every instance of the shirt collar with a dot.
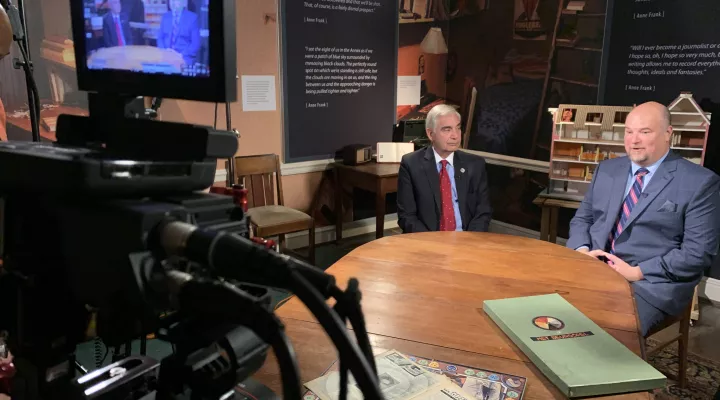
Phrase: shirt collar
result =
(438, 158)
(651, 169)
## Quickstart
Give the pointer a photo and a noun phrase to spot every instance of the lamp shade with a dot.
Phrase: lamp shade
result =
(434, 42)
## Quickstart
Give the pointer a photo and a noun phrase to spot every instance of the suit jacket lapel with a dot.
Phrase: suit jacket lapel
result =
(617, 195)
(433, 177)
(662, 177)
(113, 30)
(461, 183)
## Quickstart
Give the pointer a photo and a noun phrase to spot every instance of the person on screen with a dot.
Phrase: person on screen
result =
(116, 28)
(439, 188)
(180, 31)
(652, 216)
(134, 11)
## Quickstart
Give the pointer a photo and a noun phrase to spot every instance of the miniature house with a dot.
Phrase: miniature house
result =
(583, 136)
(690, 128)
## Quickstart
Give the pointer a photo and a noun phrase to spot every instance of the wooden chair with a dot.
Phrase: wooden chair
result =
(467, 109)
(682, 337)
(268, 217)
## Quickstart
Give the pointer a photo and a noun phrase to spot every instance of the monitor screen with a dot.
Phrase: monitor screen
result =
(180, 49)
(168, 37)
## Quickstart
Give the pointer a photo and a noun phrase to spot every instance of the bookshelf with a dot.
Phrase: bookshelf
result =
(577, 36)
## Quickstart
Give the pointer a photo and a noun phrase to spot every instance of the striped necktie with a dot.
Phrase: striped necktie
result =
(630, 201)
(176, 28)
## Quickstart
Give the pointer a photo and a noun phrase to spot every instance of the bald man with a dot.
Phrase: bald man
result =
(652, 216)
(180, 31)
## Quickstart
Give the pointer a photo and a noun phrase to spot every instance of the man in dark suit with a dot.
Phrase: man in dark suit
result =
(664, 234)
(440, 188)
(134, 11)
(180, 31)
(116, 27)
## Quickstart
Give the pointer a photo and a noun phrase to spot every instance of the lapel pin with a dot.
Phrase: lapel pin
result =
(462, 170)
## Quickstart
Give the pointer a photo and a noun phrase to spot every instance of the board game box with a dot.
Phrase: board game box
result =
(481, 383)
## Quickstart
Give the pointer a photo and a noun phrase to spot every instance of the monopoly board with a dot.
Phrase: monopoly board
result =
(483, 384)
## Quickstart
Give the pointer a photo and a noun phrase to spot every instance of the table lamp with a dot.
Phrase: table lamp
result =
(435, 52)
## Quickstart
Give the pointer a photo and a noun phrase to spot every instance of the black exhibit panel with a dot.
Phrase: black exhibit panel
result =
(658, 48)
(339, 74)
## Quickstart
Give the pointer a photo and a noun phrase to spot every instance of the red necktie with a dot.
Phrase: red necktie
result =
(447, 219)
(118, 31)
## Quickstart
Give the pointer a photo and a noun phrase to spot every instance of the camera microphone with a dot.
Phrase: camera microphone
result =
(14, 16)
(235, 257)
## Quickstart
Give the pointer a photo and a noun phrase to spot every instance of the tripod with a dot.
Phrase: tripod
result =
(16, 14)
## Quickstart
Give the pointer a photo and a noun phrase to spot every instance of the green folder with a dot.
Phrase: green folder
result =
(573, 352)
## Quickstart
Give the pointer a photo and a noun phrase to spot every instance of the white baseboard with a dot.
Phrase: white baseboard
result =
(709, 288)
(326, 234)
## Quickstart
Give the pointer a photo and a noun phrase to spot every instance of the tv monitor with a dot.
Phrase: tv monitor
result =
(182, 49)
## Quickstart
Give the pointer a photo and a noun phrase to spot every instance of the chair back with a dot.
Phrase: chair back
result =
(467, 109)
(256, 174)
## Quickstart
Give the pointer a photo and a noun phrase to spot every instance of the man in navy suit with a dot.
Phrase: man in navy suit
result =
(439, 188)
(116, 28)
(653, 216)
(180, 31)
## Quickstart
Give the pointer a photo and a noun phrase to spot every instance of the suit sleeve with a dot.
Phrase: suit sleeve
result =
(107, 34)
(700, 239)
(482, 214)
(407, 207)
(582, 221)
(194, 46)
(161, 42)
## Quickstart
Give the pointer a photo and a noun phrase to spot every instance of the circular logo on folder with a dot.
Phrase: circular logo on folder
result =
(548, 323)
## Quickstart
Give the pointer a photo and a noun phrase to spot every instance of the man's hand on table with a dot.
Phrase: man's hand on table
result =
(592, 253)
(629, 272)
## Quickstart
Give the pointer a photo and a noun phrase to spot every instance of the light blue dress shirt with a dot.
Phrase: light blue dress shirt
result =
(646, 180)
(451, 174)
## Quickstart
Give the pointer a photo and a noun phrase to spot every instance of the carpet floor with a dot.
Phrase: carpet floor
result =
(703, 376)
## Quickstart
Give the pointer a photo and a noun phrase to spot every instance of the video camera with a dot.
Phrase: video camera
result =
(108, 227)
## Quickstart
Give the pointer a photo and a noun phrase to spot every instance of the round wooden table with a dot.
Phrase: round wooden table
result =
(423, 294)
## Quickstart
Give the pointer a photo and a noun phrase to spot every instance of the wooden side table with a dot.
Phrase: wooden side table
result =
(549, 216)
(378, 178)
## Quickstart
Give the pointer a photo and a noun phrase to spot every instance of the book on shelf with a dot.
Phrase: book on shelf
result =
(59, 50)
(392, 152)
(569, 39)
(575, 5)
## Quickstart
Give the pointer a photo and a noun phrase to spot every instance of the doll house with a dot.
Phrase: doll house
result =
(690, 128)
